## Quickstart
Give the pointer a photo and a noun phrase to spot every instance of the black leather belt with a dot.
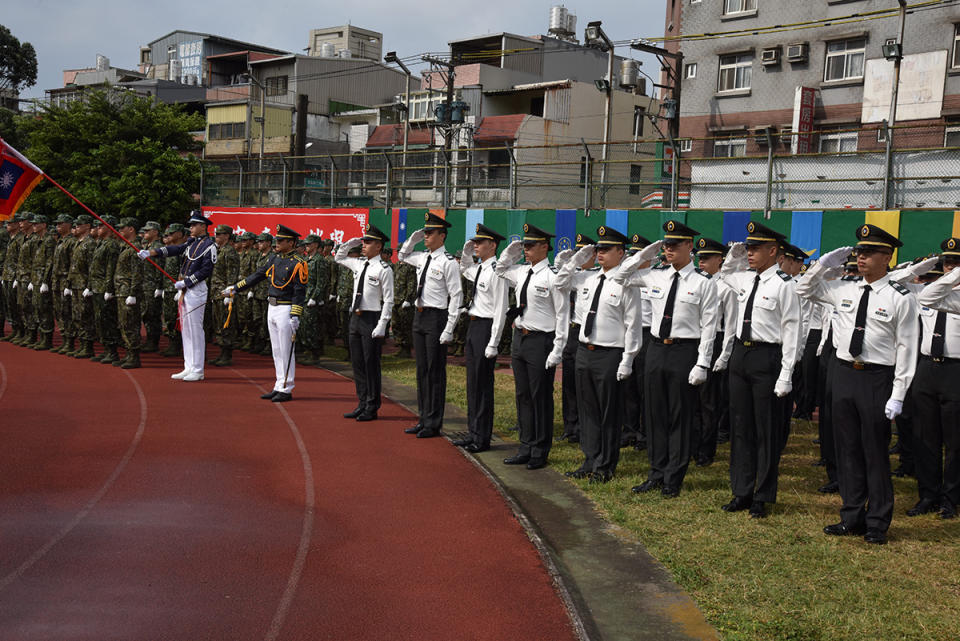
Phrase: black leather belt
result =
(866, 367)
(531, 332)
(274, 301)
(939, 359)
(758, 344)
(674, 341)
(427, 309)
(479, 318)
(597, 348)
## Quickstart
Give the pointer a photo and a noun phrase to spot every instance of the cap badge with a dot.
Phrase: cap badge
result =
(671, 226)
(752, 227)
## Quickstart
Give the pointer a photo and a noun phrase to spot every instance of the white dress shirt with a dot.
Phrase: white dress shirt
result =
(776, 311)
(576, 283)
(377, 283)
(942, 298)
(890, 333)
(548, 307)
(728, 312)
(441, 288)
(941, 293)
(617, 321)
(489, 297)
(695, 309)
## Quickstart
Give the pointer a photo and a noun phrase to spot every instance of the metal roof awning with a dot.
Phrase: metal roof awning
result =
(498, 129)
(385, 136)
(533, 86)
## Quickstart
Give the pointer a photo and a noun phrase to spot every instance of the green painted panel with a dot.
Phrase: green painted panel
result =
(457, 232)
(666, 214)
(588, 224)
(545, 219)
(415, 219)
(645, 222)
(923, 231)
(779, 220)
(496, 219)
(383, 221)
(708, 222)
(839, 228)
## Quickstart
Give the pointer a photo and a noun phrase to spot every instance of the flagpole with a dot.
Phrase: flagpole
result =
(109, 226)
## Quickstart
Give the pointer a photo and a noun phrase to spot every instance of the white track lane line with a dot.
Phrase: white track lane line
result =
(306, 532)
(82, 514)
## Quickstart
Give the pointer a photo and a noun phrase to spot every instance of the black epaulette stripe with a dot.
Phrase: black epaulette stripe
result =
(784, 276)
(900, 288)
(554, 269)
(702, 273)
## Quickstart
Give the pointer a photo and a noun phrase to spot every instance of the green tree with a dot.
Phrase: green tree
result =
(118, 153)
(18, 62)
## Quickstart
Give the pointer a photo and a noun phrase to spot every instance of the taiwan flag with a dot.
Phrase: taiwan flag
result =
(18, 177)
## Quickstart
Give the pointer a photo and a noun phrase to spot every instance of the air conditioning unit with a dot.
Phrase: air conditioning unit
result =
(760, 135)
(770, 57)
(798, 52)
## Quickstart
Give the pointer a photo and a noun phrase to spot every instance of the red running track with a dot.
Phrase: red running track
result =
(135, 507)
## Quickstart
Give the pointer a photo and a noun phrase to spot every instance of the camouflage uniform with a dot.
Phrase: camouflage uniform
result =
(171, 311)
(242, 306)
(79, 282)
(102, 267)
(331, 320)
(404, 290)
(62, 308)
(152, 300)
(4, 241)
(42, 278)
(226, 271)
(259, 300)
(10, 262)
(128, 289)
(344, 300)
(24, 291)
(308, 336)
(460, 329)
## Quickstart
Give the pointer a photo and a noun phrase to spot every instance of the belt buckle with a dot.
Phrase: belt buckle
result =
(668, 341)
(524, 331)
(591, 347)
(748, 343)
(859, 365)
(420, 309)
(938, 359)
(357, 312)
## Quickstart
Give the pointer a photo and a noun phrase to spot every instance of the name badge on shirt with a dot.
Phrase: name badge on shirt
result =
(846, 304)
(542, 292)
(927, 311)
(655, 292)
(690, 297)
(436, 273)
(881, 314)
(483, 286)
(373, 280)
(612, 298)
(765, 302)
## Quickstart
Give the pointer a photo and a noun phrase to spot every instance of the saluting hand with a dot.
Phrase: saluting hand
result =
(511, 254)
(836, 258)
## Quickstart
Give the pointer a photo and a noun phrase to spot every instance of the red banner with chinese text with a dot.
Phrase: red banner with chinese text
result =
(337, 224)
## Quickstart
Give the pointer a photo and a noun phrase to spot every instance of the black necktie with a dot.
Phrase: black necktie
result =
(939, 331)
(523, 292)
(745, 330)
(592, 314)
(473, 292)
(359, 294)
(423, 277)
(666, 323)
(856, 341)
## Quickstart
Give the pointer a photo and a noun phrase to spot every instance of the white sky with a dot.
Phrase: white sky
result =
(68, 34)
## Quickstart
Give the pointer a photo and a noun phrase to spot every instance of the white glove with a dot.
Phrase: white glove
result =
(698, 375)
(227, 301)
(320, 304)
(87, 293)
(835, 258)
(353, 242)
(107, 296)
(624, 371)
(14, 284)
(511, 254)
(311, 303)
(584, 254)
(734, 261)
(720, 365)
(562, 258)
(893, 408)
(331, 297)
(380, 330)
(131, 300)
(415, 238)
(44, 289)
(446, 337)
(405, 304)
(490, 352)
(924, 266)
(67, 292)
(143, 254)
(158, 293)
(178, 295)
(180, 285)
(554, 359)
(632, 263)
(294, 323)
(229, 290)
(466, 256)
(250, 295)
(29, 287)
(649, 252)
(161, 295)
(783, 387)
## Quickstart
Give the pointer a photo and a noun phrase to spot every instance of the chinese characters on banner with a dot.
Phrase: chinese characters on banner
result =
(803, 109)
(336, 224)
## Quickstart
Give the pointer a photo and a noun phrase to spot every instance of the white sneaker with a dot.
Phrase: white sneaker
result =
(180, 375)
(193, 376)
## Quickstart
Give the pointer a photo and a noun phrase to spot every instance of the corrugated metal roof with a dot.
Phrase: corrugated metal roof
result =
(493, 129)
(392, 136)
(552, 84)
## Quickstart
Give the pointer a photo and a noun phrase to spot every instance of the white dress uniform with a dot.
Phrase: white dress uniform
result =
(574, 290)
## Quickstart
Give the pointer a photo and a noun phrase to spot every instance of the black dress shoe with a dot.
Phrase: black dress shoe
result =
(819, 463)
(413, 430)
(425, 433)
(704, 461)
(758, 510)
(600, 477)
(670, 492)
(463, 442)
(830, 488)
(536, 463)
(268, 396)
(640, 446)
(367, 416)
(473, 448)
(354, 414)
(947, 511)
(282, 397)
(923, 506)
(647, 486)
(577, 474)
(840, 529)
(573, 438)
(875, 536)
(738, 504)
(519, 459)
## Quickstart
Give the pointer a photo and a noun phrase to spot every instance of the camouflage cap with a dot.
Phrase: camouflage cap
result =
(83, 219)
(311, 238)
(173, 228)
(64, 218)
(223, 229)
(328, 242)
(152, 224)
(248, 235)
(110, 220)
(265, 236)
(39, 219)
(129, 221)
(22, 216)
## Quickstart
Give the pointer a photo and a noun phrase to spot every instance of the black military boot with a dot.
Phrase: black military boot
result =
(86, 350)
(132, 361)
(29, 338)
(218, 361)
(110, 354)
(45, 342)
(151, 345)
(70, 345)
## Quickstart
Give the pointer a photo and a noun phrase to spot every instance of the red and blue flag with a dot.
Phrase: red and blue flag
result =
(18, 177)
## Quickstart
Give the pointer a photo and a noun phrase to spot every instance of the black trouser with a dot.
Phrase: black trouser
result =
(365, 359)
(428, 324)
(569, 403)
(479, 380)
(936, 396)
(828, 443)
(671, 405)
(534, 386)
(634, 421)
(756, 419)
(863, 437)
(710, 409)
(599, 395)
(809, 368)
(907, 435)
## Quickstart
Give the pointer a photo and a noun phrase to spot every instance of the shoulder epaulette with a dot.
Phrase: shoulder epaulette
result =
(850, 278)
(595, 268)
(899, 288)
(554, 269)
(702, 273)
(450, 256)
(662, 266)
(784, 276)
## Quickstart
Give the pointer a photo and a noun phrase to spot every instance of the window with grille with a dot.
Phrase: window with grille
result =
(729, 147)
(685, 145)
(951, 137)
(845, 59)
(956, 46)
(735, 72)
(636, 177)
(838, 142)
(276, 86)
(738, 6)
(228, 130)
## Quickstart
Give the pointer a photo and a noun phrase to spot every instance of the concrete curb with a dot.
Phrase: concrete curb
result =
(612, 588)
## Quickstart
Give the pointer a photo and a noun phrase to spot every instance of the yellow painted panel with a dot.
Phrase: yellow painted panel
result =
(226, 113)
(279, 122)
(956, 224)
(888, 221)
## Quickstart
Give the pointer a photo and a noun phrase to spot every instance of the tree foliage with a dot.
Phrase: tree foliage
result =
(18, 62)
(118, 153)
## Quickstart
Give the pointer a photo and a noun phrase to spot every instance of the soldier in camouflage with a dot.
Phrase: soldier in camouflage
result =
(23, 285)
(151, 302)
(226, 271)
(345, 299)
(242, 306)
(404, 291)
(78, 284)
(102, 267)
(175, 234)
(41, 276)
(261, 344)
(9, 274)
(331, 319)
(308, 336)
(4, 241)
(128, 289)
(62, 307)
(460, 329)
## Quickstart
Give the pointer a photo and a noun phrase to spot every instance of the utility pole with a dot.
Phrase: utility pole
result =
(262, 120)
(391, 57)
(444, 120)
(595, 36)
(893, 52)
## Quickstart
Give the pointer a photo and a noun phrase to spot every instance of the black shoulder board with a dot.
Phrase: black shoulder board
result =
(899, 288)
(784, 276)
(595, 268)
(662, 266)
(702, 273)
(450, 256)
(554, 269)
(850, 278)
